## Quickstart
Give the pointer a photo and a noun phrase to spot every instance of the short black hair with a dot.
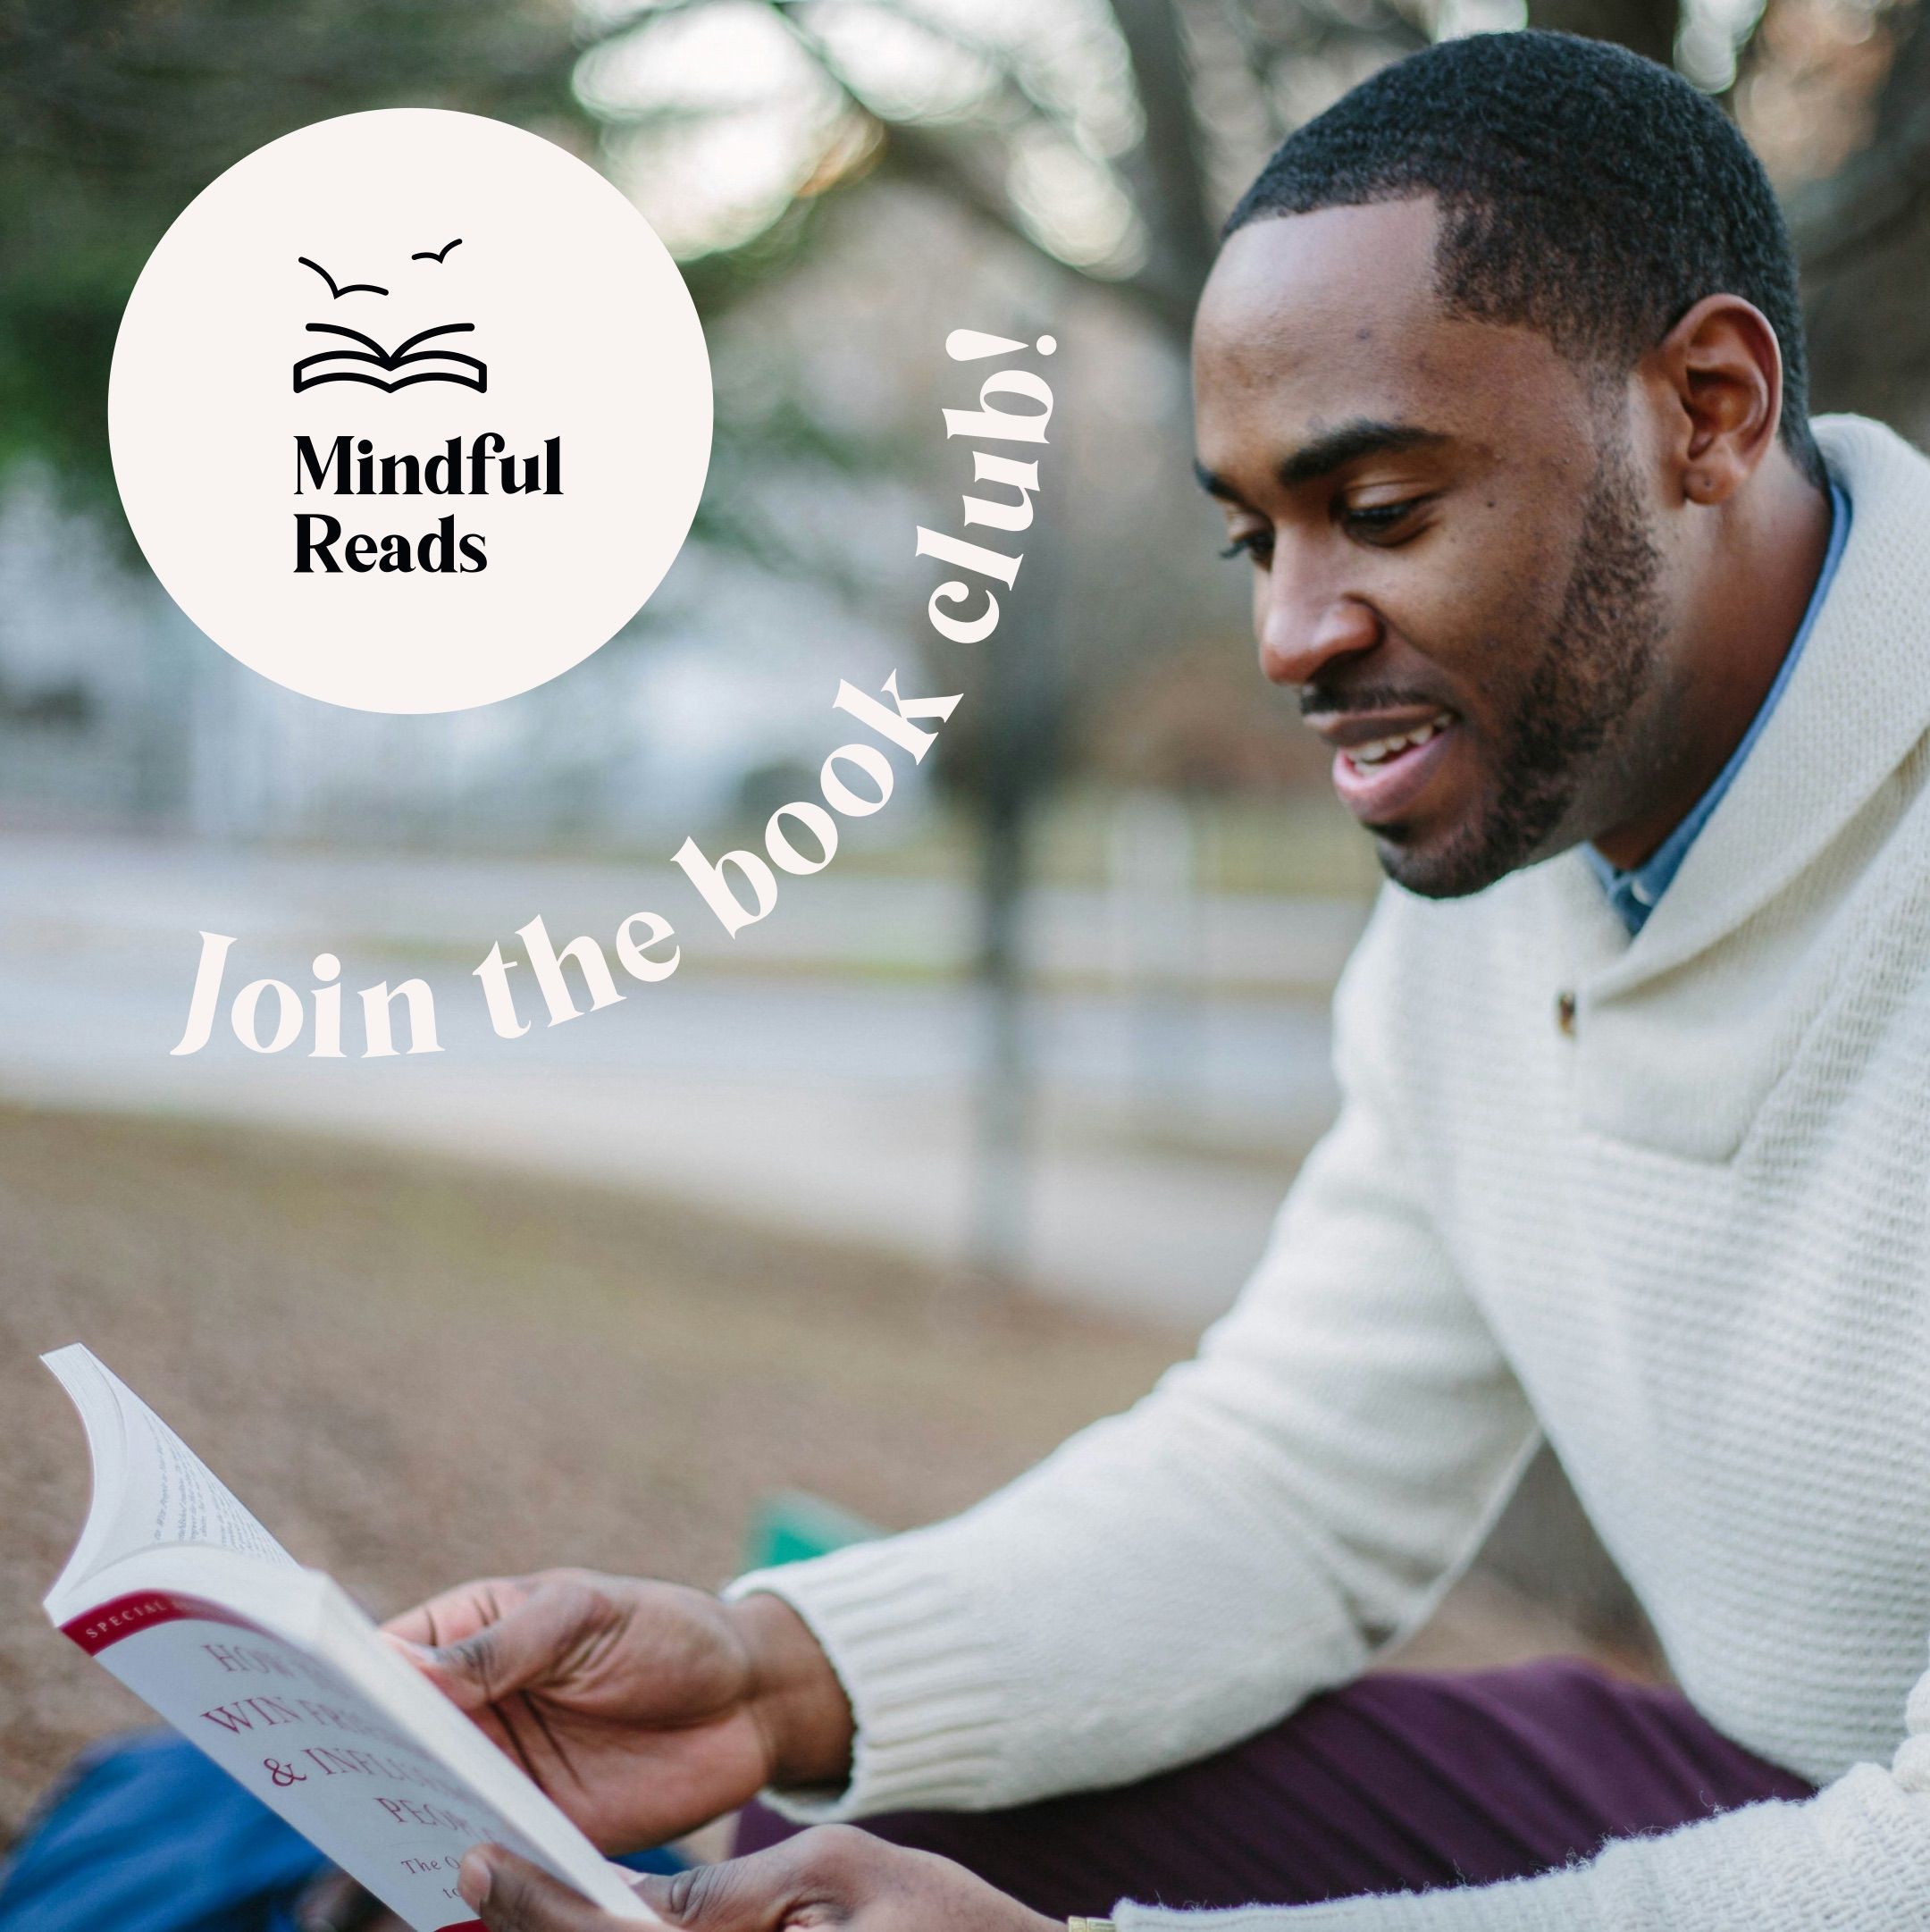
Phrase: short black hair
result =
(1585, 191)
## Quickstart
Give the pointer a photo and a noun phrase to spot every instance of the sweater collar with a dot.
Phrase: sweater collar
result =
(1855, 706)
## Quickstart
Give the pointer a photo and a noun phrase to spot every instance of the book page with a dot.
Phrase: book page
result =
(150, 1489)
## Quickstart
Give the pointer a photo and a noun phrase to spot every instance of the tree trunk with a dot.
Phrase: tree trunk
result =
(1645, 26)
(1864, 241)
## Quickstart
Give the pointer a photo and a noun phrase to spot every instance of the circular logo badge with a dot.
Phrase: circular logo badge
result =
(410, 410)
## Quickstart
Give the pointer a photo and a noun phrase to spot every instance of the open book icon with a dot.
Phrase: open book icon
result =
(390, 368)
(276, 1675)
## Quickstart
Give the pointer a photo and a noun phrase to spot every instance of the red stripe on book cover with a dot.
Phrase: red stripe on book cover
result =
(127, 1616)
(465, 1925)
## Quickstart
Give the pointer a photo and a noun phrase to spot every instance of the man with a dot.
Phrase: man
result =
(1500, 388)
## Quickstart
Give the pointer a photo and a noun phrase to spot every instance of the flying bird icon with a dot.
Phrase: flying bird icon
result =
(438, 255)
(353, 288)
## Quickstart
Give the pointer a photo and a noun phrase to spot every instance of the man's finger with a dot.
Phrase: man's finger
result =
(454, 1671)
(522, 1649)
(457, 1613)
(510, 1894)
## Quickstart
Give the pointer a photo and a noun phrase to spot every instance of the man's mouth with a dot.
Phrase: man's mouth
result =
(1378, 750)
(1380, 772)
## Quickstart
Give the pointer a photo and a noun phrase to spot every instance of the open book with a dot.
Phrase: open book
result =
(381, 367)
(281, 1680)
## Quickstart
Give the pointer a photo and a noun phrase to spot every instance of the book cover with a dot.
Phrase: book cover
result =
(271, 1671)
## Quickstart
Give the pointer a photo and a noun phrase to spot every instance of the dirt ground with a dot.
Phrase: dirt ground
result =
(415, 1373)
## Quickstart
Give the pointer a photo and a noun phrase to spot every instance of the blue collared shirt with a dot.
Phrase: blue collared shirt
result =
(1633, 893)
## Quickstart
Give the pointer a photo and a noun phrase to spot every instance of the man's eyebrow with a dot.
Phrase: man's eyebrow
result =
(1327, 452)
(1361, 436)
(1214, 485)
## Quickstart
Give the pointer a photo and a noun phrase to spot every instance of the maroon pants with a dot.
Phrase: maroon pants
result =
(1396, 1782)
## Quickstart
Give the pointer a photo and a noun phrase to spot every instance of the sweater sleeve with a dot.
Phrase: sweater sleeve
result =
(1177, 1577)
(1854, 1858)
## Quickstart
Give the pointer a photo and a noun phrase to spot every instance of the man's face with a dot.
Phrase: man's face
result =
(1450, 541)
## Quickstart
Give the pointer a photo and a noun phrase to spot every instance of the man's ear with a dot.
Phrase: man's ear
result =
(1717, 377)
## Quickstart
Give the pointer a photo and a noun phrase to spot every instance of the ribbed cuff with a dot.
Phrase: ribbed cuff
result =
(921, 1679)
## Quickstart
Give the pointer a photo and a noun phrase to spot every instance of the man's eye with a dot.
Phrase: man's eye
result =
(1374, 519)
(1254, 543)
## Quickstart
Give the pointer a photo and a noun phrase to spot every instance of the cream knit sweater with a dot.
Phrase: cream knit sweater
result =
(1689, 1241)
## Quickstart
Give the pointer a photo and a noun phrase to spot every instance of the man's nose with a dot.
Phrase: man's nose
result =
(1301, 634)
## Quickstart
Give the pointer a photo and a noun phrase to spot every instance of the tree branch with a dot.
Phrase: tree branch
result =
(1878, 191)
(1863, 239)
(1165, 170)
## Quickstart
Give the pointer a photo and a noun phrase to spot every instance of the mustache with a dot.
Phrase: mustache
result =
(1326, 701)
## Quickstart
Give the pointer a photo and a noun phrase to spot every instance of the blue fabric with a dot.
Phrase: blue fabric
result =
(1633, 892)
(146, 1834)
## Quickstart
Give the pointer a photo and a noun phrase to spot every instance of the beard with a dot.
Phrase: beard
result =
(1576, 704)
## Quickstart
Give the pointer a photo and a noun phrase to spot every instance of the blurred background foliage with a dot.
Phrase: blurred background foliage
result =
(1105, 137)
(842, 180)
(115, 116)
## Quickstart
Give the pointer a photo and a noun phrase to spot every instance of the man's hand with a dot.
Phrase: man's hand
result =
(835, 1876)
(644, 1709)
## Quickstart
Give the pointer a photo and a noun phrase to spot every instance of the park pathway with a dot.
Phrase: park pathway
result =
(817, 1074)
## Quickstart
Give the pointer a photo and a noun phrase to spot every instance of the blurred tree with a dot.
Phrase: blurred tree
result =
(113, 117)
(1104, 137)
(1863, 231)
(1647, 26)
